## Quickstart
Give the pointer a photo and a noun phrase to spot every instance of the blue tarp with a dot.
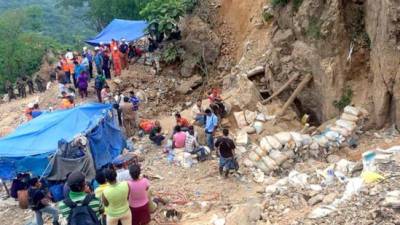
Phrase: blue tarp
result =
(29, 147)
(118, 29)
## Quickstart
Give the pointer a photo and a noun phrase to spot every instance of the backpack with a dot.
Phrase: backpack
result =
(81, 214)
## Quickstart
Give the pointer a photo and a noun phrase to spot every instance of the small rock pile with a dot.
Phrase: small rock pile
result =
(337, 197)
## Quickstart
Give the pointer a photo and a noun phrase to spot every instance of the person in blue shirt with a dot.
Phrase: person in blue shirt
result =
(210, 127)
(98, 60)
(77, 72)
(134, 100)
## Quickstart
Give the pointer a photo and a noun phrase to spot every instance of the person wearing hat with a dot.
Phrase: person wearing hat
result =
(77, 195)
(40, 203)
(116, 59)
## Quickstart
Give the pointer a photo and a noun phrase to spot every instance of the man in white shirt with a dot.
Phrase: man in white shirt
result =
(198, 113)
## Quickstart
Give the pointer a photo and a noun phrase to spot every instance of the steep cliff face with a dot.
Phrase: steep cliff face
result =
(383, 27)
(345, 45)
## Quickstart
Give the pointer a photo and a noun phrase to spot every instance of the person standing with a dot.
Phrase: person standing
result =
(40, 203)
(106, 65)
(98, 60)
(83, 84)
(129, 117)
(123, 49)
(115, 198)
(99, 84)
(198, 113)
(139, 197)
(21, 85)
(39, 81)
(226, 148)
(210, 127)
(80, 207)
(78, 68)
(66, 69)
(10, 90)
(29, 82)
(116, 59)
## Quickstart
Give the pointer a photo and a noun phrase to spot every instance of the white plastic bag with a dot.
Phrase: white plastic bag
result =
(297, 179)
(350, 126)
(349, 117)
(242, 138)
(342, 131)
(274, 142)
(254, 157)
(332, 135)
(283, 137)
(259, 126)
(307, 140)
(352, 110)
(270, 163)
(321, 140)
(264, 144)
(260, 151)
(297, 138)
(278, 157)
(240, 119)
(250, 116)
(261, 165)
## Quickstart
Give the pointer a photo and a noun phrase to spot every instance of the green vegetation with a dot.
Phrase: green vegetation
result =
(345, 100)
(172, 53)
(314, 29)
(297, 4)
(279, 3)
(22, 47)
(267, 16)
(163, 15)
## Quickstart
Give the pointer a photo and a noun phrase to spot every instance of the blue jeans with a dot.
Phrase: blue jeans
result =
(210, 140)
(226, 163)
(202, 152)
(49, 210)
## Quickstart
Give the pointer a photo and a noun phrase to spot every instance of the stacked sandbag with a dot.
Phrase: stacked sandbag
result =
(275, 150)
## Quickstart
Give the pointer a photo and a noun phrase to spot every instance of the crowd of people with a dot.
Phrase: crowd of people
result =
(119, 194)
(21, 84)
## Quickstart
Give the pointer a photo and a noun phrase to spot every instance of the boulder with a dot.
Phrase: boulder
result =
(187, 86)
(282, 37)
(198, 36)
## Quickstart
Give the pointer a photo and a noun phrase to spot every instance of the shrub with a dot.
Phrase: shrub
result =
(172, 53)
(279, 3)
(314, 28)
(297, 4)
(345, 100)
(267, 16)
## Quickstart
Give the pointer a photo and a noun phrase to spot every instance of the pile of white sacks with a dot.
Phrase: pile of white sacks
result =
(276, 149)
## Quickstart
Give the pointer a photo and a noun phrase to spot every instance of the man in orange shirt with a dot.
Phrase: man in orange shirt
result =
(182, 122)
(66, 70)
(116, 58)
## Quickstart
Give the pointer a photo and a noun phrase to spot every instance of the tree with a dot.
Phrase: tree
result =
(21, 51)
(102, 12)
(163, 15)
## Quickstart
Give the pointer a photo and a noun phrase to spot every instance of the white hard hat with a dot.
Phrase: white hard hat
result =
(115, 48)
(123, 39)
(85, 48)
(30, 105)
(101, 43)
(96, 48)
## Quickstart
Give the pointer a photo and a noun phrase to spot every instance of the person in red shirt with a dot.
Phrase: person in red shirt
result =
(182, 122)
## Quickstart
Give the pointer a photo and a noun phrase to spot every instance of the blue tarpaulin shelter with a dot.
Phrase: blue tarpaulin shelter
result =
(31, 145)
(118, 29)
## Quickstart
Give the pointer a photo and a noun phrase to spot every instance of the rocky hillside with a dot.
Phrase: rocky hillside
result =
(350, 49)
